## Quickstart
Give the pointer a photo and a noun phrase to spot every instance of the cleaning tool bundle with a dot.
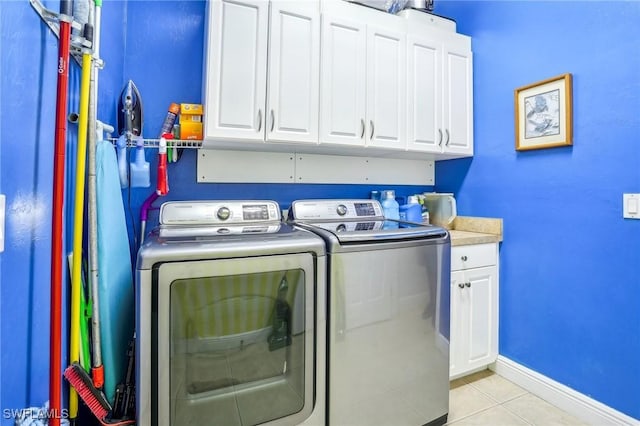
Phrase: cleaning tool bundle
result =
(96, 130)
(78, 216)
(92, 397)
(57, 258)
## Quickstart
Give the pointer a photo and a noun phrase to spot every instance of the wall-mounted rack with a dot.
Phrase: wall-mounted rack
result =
(155, 143)
(78, 43)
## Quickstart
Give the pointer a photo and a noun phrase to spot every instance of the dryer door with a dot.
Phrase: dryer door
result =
(235, 341)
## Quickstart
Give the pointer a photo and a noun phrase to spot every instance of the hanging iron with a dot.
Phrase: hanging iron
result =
(130, 129)
(130, 110)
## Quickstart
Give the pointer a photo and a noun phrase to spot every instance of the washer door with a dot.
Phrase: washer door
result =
(235, 341)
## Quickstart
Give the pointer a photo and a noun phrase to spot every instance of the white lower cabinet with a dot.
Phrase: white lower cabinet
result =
(474, 308)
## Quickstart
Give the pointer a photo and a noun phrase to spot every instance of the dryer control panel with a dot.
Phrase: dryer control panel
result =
(336, 210)
(219, 212)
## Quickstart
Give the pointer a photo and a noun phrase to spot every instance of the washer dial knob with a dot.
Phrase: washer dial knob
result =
(341, 209)
(223, 213)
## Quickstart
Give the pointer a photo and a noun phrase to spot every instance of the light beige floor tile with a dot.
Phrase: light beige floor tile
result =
(539, 412)
(467, 400)
(498, 388)
(494, 416)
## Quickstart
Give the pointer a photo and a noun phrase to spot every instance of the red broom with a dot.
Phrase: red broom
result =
(57, 258)
(92, 397)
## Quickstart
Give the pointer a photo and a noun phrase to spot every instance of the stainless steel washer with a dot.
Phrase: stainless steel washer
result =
(388, 314)
(230, 318)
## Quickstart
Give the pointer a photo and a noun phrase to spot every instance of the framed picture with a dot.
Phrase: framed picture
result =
(543, 114)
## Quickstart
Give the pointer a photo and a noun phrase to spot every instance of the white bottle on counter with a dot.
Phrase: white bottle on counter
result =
(390, 208)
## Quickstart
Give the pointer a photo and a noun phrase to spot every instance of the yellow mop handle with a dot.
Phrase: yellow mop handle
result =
(76, 272)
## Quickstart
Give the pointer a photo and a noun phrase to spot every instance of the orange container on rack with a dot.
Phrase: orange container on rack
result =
(191, 121)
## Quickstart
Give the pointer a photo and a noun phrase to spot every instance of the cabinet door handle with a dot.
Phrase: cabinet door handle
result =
(259, 120)
(447, 132)
(440, 137)
(371, 124)
(463, 258)
(461, 285)
(468, 284)
(273, 121)
(362, 127)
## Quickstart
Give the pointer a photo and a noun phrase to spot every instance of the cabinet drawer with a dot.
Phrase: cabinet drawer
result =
(473, 256)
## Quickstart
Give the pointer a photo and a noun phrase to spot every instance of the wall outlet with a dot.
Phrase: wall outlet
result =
(631, 206)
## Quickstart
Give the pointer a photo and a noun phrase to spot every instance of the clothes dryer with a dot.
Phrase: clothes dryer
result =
(230, 318)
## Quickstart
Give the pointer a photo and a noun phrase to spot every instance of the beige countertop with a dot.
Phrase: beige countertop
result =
(475, 230)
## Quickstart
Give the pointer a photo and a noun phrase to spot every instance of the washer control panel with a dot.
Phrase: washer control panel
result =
(319, 210)
(218, 212)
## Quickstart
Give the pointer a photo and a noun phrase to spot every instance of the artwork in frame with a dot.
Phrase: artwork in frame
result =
(543, 114)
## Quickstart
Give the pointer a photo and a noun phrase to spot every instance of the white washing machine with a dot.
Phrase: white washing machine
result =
(387, 314)
(230, 318)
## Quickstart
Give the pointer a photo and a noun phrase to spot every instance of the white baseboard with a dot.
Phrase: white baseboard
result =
(575, 403)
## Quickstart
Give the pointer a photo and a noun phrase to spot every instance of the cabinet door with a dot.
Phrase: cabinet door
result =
(294, 71)
(482, 316)
(236, 69)
(342, 84)
(424, 93)
(386, 86)
(458, 334)
(458, 94)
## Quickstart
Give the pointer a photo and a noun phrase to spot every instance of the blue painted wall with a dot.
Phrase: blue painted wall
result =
(569, 292)
(569, 271)
(28, 91)
(158, 44)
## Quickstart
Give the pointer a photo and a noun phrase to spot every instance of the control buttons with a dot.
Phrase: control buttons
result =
(341, 209)
(223, 213)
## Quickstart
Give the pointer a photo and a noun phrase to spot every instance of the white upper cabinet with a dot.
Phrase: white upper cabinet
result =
(294, 71)
(342, 119)
(235, 81)
(457, 84)
(363, 79)
(334, 77)
(386, 85)
(424, 89)
(440, 92)
(241, 103)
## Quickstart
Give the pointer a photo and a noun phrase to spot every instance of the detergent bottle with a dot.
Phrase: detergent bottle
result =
(390, 208)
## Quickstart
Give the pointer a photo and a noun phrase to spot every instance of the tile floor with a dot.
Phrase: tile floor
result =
(487, 399)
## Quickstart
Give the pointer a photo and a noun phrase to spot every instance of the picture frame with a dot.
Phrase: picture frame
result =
(543, 114)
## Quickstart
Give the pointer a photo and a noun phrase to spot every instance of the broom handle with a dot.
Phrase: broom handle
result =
(55, 355)
(97, 371)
